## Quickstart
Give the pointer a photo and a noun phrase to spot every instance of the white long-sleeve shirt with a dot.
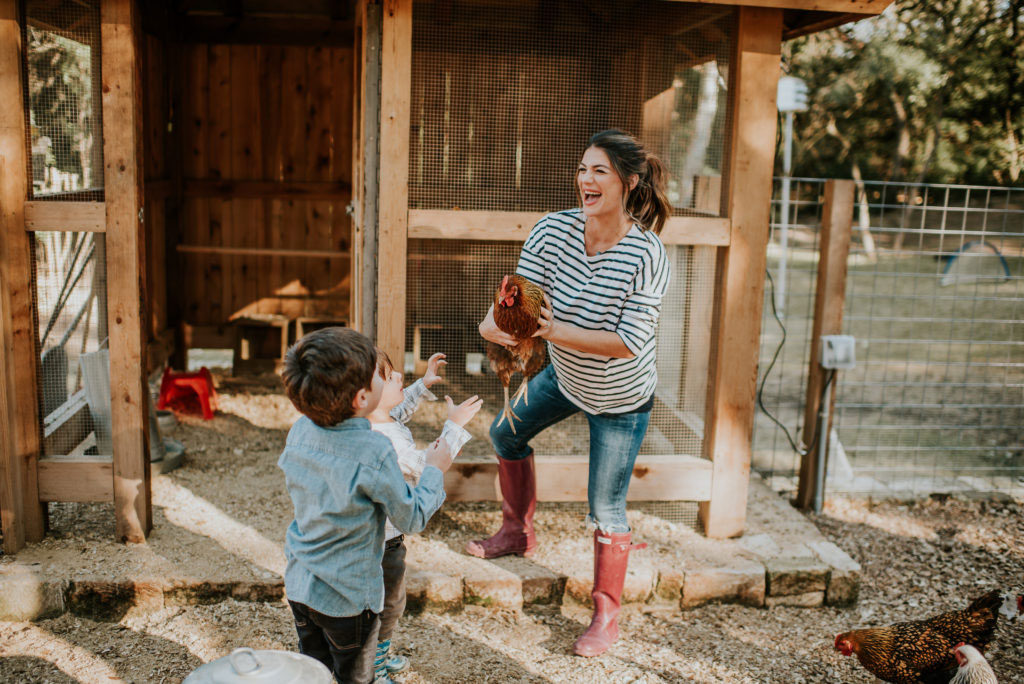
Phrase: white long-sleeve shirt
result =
(411, 460)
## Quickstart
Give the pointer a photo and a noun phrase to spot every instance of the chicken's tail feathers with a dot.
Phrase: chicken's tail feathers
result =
(989, 602)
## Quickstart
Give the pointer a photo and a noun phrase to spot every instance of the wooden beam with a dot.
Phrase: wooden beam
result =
(516, 225)
(669, 477)
(846, 6)
(821, 23)
(81, 478)
(264, 251)
(265, 30)
(123, 176)
(262, 189)
(89, 217)
(21, 516)
(740, 269)
(829, 299)
(393, 193)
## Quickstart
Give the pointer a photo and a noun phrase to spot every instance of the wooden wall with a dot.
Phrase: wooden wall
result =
(266, 140)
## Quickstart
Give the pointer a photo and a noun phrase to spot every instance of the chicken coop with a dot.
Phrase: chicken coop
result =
(229, 173)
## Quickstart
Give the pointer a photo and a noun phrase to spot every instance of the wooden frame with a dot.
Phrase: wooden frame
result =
(123, 180)
(90, 217)
(393, 195)
(21, 515)
(740, 282)
(516, 225)
(829, 299)
(845, 6)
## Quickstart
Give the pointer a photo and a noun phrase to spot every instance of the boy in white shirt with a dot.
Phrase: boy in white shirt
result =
(389, 418)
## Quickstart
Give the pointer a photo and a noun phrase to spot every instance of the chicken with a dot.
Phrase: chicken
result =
(517, 305)
(922, 650)
(974, 669)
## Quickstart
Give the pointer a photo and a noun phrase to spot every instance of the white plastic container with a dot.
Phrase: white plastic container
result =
(248, 666)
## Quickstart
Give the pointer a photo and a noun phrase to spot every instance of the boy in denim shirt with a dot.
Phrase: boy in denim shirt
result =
(344, 481)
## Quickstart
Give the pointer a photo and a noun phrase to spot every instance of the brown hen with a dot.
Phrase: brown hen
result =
(517, 305)
(922, 650)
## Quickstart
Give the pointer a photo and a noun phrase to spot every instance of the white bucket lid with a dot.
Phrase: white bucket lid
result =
(249, 666)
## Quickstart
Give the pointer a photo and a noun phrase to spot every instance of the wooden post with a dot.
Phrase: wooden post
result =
(740, 269)
(21, 513)
(393, 187)
(829, 298)
(123, 176)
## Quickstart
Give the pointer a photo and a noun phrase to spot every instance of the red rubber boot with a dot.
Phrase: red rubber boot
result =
(611, 556)
(519, 501)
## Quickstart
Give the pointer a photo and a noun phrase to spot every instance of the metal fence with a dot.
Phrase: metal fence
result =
(934, 298)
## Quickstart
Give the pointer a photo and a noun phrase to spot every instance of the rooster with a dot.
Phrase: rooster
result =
(922, 650)
(974, 669)
(517, 305)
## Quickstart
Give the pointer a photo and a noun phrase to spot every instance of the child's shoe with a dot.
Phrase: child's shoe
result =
(384, 666)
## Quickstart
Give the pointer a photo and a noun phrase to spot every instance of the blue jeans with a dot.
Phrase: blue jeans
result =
(615, 440)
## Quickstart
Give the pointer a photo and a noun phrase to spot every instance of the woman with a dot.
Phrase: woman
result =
(604, 272)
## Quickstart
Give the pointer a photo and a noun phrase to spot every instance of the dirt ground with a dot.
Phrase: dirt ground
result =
(918, 559)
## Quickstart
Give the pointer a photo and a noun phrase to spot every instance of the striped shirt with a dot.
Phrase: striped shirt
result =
(618, 290)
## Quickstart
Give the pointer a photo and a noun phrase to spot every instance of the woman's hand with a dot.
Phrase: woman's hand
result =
(546, 321)
(464, 412)
(490, 331)
(434, 364)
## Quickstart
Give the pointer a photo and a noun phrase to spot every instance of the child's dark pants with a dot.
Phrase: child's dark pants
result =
(346, 645)
(393, 565)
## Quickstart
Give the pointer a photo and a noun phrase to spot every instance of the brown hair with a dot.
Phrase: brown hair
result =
(325, 369)
(647, 203)
(383, 363)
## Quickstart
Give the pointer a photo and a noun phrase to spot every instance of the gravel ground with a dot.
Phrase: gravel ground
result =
(918, 560)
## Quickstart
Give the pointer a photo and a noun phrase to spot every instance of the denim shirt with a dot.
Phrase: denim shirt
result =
(344, 481)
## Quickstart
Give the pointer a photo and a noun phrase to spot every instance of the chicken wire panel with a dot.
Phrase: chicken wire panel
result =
(74, 379)
(450, 285)
(62, 97)
(936, 402)
(505, 96)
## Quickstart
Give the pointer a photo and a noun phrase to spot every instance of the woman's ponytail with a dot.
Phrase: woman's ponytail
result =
(647, 203)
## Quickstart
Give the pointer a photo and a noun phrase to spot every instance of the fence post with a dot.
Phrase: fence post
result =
(22, 516)
(125, 241)
(830, 295)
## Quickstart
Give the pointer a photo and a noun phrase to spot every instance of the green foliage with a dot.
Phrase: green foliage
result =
(931, 90)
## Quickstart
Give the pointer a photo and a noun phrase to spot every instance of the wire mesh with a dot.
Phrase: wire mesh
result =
(62, 96)
(501, 109)
(70, 287)
(936, 401)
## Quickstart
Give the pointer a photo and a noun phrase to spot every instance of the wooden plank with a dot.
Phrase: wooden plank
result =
(264, 251)
(870, 7)
(246, 164)
(82, 478)
(195, 214)
(21, 516)
(122, 155)
(669, 477)
(821, 23)
(829, 299)
(740, 285)
(516, 225)
(393, 199)
(278, 30)
(217, 292)
(262, 189)
(90, 217)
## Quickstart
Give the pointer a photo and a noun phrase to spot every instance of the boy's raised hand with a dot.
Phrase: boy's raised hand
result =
(439, 455)
(464, 412)
(434, 363)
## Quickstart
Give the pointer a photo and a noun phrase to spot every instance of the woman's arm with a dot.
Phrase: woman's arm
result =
(601, 342)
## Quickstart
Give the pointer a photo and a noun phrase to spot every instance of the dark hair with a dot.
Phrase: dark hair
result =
(325, 369)
(383, 363)
(647, 203)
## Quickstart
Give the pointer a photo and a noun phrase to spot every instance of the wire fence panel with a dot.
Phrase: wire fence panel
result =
(933, 297)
